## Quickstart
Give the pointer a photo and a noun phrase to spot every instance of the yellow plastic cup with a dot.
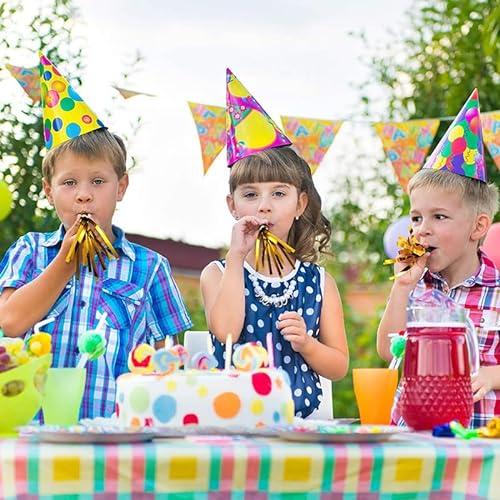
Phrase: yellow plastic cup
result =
(21, 393)
(375, 389)
(62, 396)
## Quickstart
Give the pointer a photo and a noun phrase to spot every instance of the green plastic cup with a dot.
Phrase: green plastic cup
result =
(62, 396)
(21, 393)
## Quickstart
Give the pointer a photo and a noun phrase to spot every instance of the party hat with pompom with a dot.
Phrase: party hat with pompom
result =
(249, 128)
(65, 114)
(461, 149)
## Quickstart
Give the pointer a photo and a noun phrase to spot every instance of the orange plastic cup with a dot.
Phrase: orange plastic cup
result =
(375, 389)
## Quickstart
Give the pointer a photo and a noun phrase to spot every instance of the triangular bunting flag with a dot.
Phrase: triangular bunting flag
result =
(311, 137)
(211, 126)
(406, 145)
(491, 134)
(28, 78)
(127, 94)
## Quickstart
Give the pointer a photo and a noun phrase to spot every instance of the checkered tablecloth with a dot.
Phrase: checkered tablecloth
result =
(236, 468)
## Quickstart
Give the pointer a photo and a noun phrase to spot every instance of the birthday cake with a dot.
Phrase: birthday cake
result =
(252, 397)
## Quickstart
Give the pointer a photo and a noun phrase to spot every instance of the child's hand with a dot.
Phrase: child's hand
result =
(411, 277)
(244, 234)
(293, 328)
(69, 237)
(482, 382)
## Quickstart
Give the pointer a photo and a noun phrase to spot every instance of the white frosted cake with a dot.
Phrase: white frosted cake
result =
(230, 398)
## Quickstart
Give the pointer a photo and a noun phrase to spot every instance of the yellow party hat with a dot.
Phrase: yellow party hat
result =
(65, 114)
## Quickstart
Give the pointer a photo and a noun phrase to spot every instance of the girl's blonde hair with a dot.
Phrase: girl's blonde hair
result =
(310, 234)
(479, 197)
(94, 145)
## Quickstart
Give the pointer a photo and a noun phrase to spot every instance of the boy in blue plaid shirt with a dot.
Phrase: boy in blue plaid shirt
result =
(87, 174)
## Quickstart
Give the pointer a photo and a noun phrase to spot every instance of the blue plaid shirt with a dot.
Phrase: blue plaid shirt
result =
(137, 291)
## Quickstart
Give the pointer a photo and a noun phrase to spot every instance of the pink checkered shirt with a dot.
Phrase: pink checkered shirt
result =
(480, 294)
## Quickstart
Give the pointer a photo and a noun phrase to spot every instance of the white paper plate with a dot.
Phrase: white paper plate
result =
(84, 434)
(343, 434)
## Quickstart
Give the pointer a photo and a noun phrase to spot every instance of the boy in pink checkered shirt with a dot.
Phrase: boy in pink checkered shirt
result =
(451, 215)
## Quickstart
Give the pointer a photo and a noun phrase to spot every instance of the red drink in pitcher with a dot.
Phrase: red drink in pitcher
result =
(436, 381)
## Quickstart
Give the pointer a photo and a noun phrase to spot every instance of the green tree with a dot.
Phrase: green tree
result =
(451, 47)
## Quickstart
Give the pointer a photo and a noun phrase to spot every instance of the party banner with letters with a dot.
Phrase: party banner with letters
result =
(406, 145)
(28, 78)
(211, 126)
(491, 134)
(311, 137)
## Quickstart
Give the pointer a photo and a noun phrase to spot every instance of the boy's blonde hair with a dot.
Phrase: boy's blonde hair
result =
(310, 234)
(97, 144)
(479, 197)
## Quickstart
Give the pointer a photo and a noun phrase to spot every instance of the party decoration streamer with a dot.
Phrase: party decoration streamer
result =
(127, 94)
(406, 145)
(491, 134)
(211, 126)
(28, 78)
(312, 137)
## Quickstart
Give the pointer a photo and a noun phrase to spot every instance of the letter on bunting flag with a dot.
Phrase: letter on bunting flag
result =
(406, 145)
(211, 125)
(28, 78)
(311, 137)
(491, 134)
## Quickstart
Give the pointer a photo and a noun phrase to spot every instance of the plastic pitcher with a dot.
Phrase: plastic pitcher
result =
(441, 355)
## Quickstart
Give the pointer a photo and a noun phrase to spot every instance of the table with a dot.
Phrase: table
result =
(219, 468)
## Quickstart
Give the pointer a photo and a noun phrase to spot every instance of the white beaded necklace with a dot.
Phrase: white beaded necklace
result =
(275, 300)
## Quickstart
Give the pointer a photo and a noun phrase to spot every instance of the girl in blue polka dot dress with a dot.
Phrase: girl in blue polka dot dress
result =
(302, 310)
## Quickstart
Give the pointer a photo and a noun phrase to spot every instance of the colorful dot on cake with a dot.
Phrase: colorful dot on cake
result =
(289, 411)
(190, 419)
(171, 385)
(202, 391)
(257, 407)
(276, 416)
(139, 399)
(262, 383)
(135, 422)
(164, 408)
(227, 405)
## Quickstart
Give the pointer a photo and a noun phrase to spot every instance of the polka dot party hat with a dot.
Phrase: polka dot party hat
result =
(65, 114)
(249, 128)
(461, 149)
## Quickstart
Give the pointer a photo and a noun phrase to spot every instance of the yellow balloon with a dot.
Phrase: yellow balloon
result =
(5, 200)
(255, 131)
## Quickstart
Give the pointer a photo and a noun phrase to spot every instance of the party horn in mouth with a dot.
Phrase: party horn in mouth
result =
(269, 248)
(90, 247)
(409, 251)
